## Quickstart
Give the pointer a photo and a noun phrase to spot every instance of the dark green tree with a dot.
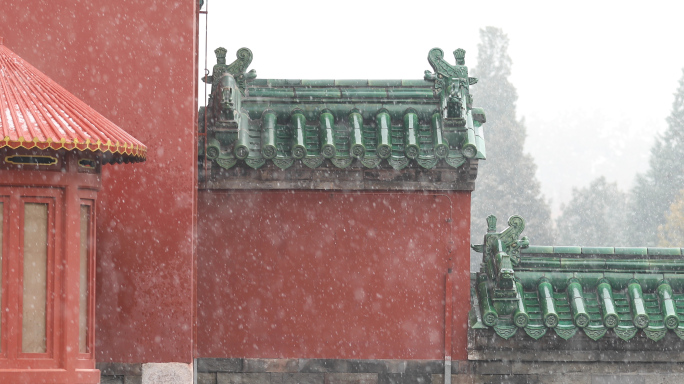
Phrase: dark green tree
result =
(506, 183)
(595, 216)
(656, 190)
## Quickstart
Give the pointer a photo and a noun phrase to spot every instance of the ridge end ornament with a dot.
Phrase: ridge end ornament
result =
(237, 68)
(452, 83)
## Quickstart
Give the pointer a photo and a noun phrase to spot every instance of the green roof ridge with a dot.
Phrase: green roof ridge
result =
(427, 123)
(598, 289)
(329, 83)
(624, 251)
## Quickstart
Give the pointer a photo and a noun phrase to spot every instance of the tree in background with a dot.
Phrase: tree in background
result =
(671, 234)
(656, 190)
(595, 216)
(506, 181)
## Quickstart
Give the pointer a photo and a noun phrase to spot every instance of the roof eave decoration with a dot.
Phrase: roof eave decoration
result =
(37, 113)
(566, 289)
(397, 121)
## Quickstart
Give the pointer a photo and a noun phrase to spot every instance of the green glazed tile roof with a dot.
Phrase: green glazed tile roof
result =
(594, 290)
(374, 123)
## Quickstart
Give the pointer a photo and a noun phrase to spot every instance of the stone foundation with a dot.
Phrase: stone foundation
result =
(151, 373)
(340, 371)
(316, 371)
(120, 373)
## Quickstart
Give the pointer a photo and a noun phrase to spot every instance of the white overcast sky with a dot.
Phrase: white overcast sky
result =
(595, 79)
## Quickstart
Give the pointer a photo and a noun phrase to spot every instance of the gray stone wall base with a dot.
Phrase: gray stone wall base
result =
(151, 373)
(563, 379)
(120, 373)
(167, 373)
(348, 371)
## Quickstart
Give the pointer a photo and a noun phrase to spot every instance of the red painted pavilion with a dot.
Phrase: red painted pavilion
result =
(52, 147)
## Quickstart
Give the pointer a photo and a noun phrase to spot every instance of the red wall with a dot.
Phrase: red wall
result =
(280, 274)
(285, 274)
(134, 62)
